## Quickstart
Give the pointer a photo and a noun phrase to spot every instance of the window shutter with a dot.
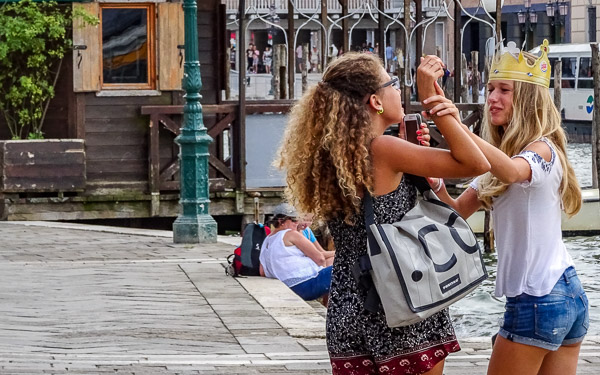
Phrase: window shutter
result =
(86, 62)
(170, 35)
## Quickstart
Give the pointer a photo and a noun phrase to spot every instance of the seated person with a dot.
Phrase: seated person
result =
(288, 256)
(304, 227)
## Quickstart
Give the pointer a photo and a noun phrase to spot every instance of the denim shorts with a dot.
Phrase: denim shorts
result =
(559, 318)
(315, 287)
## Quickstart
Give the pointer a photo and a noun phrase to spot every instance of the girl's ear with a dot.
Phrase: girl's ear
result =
(374, 102)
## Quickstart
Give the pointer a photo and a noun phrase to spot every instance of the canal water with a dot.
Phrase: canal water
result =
(478, 314)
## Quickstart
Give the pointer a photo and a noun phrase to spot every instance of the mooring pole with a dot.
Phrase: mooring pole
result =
(194, 224)
(596, 114)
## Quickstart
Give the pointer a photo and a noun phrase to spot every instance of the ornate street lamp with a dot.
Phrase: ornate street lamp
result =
(556, 11)
(194, 224)
(527, 19)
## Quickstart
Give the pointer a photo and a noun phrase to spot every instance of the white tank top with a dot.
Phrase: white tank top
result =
(286, 263)
(527, 227)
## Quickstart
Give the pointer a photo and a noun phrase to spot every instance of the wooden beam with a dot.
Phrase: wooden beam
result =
(457, 53)
(345, 25)
(223, 124)
(291, 51)
(381, 26)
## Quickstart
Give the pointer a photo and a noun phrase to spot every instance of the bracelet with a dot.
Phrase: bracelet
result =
(439, 185)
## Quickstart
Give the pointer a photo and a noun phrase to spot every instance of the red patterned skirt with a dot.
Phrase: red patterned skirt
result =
(415, 362)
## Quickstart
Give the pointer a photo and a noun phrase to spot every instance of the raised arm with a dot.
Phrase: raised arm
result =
(464, 159)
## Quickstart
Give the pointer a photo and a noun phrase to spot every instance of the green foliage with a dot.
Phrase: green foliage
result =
(33, 41)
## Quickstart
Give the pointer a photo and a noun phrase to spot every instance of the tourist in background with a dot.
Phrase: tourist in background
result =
(290, 257)
(268, 59)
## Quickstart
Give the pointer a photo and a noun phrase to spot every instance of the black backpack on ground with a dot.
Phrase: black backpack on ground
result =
(245, 259)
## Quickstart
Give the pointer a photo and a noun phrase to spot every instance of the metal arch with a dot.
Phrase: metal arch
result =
(477, 19)
(335, 23)
(258, 16)
(311, 18)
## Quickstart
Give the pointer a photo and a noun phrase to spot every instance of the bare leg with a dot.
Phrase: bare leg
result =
(561, 362)
(437, 369)
(513, 358)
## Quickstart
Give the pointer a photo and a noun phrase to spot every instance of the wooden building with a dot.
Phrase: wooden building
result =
(120, 93)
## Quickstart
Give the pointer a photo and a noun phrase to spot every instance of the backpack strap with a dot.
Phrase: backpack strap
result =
(247, 243)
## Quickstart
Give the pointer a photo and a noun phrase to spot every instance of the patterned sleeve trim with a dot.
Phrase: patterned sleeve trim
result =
(540, 168)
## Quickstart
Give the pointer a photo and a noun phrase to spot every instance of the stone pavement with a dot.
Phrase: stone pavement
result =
(77, 299)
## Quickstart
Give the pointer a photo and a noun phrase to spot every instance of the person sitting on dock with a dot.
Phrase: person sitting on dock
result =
(530, 183)
(288, 256)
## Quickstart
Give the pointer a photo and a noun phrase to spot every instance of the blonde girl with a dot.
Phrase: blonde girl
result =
(333, 149)
(529, 184)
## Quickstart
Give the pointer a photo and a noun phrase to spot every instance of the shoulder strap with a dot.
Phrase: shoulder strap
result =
(420, 182)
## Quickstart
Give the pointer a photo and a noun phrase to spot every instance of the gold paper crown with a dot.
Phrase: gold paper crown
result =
(509, 63)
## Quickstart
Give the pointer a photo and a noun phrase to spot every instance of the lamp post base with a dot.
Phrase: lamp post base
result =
(195, 229)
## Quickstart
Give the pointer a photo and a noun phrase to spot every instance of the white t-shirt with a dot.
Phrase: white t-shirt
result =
(527, 227)
(286, 263)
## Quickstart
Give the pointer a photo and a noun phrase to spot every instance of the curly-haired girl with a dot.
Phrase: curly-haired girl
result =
(334, 148)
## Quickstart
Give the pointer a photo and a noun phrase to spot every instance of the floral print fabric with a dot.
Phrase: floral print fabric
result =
(360, 342)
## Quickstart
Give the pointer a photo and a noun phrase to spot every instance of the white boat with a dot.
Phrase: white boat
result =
(587, 220)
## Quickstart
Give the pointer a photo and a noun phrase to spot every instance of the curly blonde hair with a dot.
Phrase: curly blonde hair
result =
(325, 148)
(534, 115)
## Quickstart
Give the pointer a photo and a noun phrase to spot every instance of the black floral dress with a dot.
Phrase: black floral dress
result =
(360, 342)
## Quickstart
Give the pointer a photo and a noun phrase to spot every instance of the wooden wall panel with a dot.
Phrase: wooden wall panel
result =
(86, 62)
(170, 35)
(117, 137)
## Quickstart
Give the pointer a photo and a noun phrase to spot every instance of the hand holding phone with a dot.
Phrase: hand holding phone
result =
(412, 124)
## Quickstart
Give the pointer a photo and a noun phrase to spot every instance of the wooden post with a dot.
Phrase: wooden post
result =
(464, 89)
(457, 53)
(325, 42)
(276, 71)
(406, 56)
(558, 85)
(419, 38)
(596, 115)
(305, 67)
(475, 76)
(488, 234)
(381, 24)
(227, 70)
(345, 26)
(498, 21)
(291, 55)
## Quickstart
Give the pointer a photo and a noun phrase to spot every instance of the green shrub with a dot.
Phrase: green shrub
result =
(34, 38)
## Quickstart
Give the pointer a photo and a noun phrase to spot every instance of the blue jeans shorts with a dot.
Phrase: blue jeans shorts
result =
(315, 287)
(559, 318)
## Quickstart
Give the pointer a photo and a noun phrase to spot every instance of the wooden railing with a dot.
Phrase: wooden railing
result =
(226, 168)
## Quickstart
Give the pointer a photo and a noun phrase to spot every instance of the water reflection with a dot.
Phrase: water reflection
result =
(479, 313)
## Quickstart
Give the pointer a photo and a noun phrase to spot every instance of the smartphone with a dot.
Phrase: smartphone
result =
(412, 123)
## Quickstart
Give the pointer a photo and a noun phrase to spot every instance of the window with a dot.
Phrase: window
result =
(585, 80)
(133, 48)
(127, 46)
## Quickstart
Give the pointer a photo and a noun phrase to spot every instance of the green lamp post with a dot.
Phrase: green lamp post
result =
(194, 224)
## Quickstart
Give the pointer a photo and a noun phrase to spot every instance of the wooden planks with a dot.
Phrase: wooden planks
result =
(53, 165)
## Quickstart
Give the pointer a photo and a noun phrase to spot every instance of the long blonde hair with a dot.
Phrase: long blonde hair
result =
(534, 115)
(325, 148)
